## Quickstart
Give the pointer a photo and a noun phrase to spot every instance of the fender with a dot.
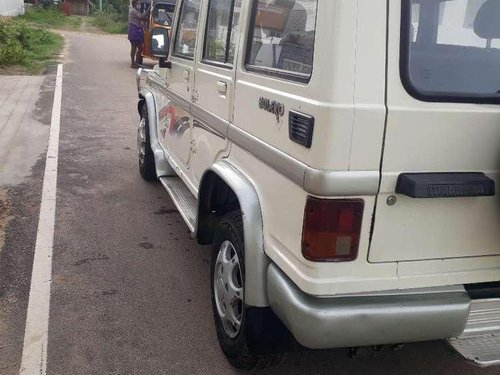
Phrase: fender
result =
(256, 261)
(163, 168)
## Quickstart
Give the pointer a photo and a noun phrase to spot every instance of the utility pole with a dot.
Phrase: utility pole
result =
(100, 6)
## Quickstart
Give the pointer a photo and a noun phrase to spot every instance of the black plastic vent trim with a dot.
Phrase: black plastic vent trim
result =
(301, 128)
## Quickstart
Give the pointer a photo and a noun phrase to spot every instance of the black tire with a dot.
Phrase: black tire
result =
(256, 344)
(147, 166)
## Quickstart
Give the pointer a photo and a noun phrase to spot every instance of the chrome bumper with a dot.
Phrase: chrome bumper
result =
(362, 320)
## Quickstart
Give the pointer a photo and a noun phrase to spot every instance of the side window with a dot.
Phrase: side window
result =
(222, 29)
(281, 38)
(185, 38)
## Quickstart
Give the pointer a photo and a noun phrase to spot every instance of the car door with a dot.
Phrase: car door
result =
(174, 114)
(442, 122)
(214, 88)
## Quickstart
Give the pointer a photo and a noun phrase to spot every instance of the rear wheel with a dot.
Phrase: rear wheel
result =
(147, 166)
(242, 332)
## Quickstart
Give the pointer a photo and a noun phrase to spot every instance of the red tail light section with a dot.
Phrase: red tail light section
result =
(332, 229)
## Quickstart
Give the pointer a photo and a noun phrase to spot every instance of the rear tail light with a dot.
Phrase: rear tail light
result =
(331, 229)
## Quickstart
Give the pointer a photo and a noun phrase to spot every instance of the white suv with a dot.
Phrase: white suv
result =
(341, 158)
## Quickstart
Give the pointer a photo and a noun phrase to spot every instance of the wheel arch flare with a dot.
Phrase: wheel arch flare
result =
(224, 178)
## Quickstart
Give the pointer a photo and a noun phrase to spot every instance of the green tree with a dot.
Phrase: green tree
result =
(117, 8)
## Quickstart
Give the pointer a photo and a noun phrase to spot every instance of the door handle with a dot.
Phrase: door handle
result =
(222, 87)
(187, 73)
(445, 185)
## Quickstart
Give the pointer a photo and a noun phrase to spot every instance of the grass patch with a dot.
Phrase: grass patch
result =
(26, 46)
(110, 23)
(51, 18)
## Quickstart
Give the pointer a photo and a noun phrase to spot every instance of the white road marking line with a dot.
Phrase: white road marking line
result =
(34, 359)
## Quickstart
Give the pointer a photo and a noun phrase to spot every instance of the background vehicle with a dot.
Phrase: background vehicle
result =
(162, 13)
(342, 159)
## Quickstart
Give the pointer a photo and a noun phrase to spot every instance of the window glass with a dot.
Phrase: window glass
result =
(282, 36)
(222, 26)
(185, 39)
(163, 14)
(453, 48)
(235, 30)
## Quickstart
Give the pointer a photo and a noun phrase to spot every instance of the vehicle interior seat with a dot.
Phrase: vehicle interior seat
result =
(297, 44)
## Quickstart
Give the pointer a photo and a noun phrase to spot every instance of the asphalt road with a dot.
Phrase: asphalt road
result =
(130, 289)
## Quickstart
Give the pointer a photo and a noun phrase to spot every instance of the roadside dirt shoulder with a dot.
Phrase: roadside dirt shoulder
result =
(5, 216)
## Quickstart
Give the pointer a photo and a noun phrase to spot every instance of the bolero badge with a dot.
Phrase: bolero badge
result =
(272, 106)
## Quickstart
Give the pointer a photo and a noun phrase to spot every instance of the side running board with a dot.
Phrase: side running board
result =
(480, 341)
(185, 202)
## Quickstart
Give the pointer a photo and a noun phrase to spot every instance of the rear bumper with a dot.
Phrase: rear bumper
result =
(361, 320)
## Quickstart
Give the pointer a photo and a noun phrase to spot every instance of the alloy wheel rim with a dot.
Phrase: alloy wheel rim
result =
(228, 289)
(141, 140)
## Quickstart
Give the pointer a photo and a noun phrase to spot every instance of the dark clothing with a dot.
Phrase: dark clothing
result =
(135, 34)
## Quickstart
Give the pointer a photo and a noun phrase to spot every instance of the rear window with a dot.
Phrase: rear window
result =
(450, 50)
(282, 38)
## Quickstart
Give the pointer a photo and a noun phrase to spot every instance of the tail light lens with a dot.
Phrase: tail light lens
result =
(332, 229)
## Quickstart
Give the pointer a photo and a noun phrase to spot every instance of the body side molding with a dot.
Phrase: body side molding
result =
(314, 181)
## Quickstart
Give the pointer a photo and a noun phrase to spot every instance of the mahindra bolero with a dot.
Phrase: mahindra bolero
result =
(342, 159)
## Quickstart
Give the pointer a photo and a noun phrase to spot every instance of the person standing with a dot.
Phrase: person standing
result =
(136, 32)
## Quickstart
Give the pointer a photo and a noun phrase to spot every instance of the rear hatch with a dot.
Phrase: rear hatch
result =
(443, 116)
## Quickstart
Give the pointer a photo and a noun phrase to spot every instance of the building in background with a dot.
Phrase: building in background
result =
(11, 7)
(80, 7)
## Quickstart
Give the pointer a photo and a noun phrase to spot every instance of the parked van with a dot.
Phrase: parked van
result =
(341, 157)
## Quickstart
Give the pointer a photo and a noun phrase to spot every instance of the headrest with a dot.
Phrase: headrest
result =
(487, 22)
(297, 19)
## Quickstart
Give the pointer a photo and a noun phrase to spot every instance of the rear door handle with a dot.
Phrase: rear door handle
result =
(187, 74)
(222, 87)
(445, 185)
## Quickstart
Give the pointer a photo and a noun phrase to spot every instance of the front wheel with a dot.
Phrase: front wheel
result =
(241, 331)
(147, 166)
